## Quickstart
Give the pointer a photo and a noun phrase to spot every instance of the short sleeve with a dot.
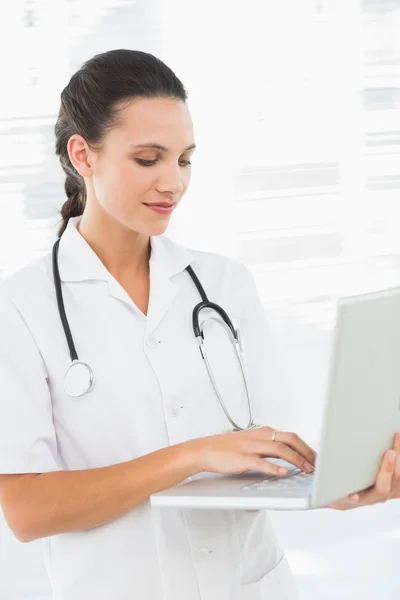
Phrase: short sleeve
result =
(269, 392)
(27, 436)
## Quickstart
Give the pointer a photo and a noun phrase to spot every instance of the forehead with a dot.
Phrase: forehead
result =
(156, 119)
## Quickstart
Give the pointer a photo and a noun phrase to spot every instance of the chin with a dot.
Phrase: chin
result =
(160, 230)
(157, 228)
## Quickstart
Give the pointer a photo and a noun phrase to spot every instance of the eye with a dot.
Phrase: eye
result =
(145, 163)
(149, 163)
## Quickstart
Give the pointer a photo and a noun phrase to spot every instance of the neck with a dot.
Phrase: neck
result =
(122, 251)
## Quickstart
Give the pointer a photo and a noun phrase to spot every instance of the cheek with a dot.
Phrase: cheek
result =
(135, 179)
(120, 182)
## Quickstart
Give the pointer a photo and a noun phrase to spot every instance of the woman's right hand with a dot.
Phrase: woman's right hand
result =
(240, 451)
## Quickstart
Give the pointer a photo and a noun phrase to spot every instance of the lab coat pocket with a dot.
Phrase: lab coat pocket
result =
(259, 548)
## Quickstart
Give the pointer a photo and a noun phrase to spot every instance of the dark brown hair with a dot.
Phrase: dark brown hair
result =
(90, 104)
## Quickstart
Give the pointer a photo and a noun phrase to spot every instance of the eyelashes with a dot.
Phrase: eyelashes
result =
(149, 163)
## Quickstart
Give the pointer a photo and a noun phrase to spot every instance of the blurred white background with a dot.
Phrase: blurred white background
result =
(296, 106)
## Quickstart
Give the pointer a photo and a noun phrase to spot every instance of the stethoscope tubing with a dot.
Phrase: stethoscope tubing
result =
(197, 330)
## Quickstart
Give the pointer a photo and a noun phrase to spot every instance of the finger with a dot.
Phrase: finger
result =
(355, 498)
(297, 444)
(281, 450)
(290, 439)
(383, 484)
(264, 466)
(385, 476)
(396, 478)
(368, 496)
(397, 466)
(396, 444)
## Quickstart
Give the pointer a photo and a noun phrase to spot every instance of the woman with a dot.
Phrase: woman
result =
(78, 471)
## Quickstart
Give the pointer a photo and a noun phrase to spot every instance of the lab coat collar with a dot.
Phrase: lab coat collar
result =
(79, 263)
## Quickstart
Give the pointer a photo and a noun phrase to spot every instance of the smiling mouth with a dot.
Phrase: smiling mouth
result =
(160, 204)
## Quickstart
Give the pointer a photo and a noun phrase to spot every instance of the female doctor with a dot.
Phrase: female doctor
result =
(105, 395)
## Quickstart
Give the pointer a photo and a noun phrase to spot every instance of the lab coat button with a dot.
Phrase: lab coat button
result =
(227, 427)
(152, 342)
(205, 551)
(176, 410)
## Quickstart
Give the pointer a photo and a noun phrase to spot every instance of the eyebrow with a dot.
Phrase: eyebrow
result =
(159, 147)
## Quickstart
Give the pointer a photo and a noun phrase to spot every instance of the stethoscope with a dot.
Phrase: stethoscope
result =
(79, 378)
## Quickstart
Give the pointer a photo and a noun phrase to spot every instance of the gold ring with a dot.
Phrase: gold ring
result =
(274, 435)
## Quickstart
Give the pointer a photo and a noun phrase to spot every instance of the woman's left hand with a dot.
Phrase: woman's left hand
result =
(387, 484)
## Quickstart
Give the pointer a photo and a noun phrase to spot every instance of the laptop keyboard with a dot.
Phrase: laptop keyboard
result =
(296, 481)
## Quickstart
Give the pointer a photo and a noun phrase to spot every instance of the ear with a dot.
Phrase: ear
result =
(79, 155)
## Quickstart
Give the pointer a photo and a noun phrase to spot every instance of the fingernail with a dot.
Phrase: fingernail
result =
(391, 457)
(282, 470)
(308, 467)
(354, 498)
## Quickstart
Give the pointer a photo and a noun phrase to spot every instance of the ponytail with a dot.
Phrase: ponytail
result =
(76, 196)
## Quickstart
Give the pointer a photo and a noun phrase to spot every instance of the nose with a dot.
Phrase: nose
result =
(172, 180)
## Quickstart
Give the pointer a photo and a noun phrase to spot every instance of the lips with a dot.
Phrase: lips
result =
(160, 204)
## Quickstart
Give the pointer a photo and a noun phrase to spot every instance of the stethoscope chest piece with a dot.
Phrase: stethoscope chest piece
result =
(78, 379)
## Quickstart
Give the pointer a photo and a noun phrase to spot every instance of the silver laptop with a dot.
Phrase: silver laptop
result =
(361, 416)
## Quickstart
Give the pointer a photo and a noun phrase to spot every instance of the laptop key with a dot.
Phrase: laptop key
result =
(296, 480)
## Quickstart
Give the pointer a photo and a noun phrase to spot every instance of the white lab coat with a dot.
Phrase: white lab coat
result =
(151, 390)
